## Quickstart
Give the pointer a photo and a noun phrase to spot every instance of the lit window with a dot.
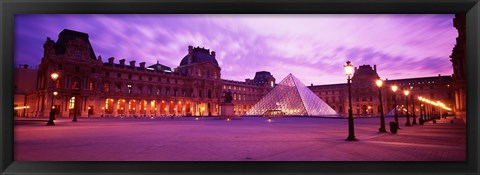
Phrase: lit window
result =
(106, 87)
(57, 84)
(72, 103)
(75, 85)
(90, 86)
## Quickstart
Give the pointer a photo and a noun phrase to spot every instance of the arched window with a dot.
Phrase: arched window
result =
(71, 104)
(76, 84)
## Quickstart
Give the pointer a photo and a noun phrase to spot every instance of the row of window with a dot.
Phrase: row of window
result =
(229, 87)
(140, 77)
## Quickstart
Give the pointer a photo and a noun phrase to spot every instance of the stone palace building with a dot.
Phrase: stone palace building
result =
(93, 87)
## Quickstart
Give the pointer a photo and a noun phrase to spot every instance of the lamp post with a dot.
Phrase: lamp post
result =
(74, 109)
(406, 92)
(413, 111)
(351, 132)
(394, 89)
(54, 77)
(422, 119)
(379, 83)
(440, 109)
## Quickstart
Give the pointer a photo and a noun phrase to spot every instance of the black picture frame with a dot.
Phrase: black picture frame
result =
(9, 8)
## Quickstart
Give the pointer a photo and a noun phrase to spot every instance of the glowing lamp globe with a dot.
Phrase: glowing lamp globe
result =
(54, 76)
(379, 83)
(348, 69)
(394, 88)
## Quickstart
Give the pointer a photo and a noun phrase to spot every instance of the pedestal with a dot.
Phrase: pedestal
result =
(226, 110)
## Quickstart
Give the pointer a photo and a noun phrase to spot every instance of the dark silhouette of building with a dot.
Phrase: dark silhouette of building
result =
(459, 68)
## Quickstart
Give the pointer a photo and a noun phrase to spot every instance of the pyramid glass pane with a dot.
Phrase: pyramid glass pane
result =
(292, 97)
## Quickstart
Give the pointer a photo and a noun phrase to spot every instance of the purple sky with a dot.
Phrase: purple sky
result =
(312, 47)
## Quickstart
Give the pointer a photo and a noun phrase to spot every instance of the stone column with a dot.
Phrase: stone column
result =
(114, 111)
(83, 106)
(157, 105)
(137, 108)
(148, 106)
(127, 104)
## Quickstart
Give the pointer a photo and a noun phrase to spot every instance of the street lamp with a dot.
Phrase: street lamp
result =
(54, 77)
(351, 132)
(379, 83)
(406, 92)
(413, 109)
(394, 89)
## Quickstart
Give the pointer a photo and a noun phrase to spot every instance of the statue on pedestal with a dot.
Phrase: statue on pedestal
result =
(227, 98)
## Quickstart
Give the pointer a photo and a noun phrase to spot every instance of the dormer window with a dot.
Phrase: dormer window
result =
(78, 54)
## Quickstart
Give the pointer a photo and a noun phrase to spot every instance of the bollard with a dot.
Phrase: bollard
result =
(393, 127)
(421, 121)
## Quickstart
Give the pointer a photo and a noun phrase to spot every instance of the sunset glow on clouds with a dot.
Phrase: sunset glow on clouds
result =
(312, 47)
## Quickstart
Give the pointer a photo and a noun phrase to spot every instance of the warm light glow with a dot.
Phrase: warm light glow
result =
(55, 93)
(21, 107)
(348, 69)
(394, 88)
(103, 108)
(203, 109)
(269, 120)
(379, 83)
(420, 98)
(406, 92)
(228, 119)
(54, 76)
(196, 118)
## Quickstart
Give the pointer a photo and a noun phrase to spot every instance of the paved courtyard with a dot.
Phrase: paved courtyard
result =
(250, 139)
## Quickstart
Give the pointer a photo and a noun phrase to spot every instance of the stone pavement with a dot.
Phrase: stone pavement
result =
(255, 139)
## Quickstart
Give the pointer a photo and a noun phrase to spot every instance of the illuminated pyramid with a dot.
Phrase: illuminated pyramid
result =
(292, 97)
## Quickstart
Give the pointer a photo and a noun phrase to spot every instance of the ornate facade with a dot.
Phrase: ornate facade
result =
(93, 88)
(365, 92)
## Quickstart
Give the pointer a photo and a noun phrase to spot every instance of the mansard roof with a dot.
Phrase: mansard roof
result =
(67, 35)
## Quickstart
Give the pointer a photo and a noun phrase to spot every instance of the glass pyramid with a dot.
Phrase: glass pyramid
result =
(291, 97)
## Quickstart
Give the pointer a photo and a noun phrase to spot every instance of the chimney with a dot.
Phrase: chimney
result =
(311, 84)
(110, 60)
(122, 62)
(142, 65)
(132, 64)
(356, 69)
(213, 54)
(190, 54)
(375, 68)
(100, 58)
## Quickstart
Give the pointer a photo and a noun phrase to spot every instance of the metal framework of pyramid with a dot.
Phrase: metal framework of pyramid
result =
(292, 97)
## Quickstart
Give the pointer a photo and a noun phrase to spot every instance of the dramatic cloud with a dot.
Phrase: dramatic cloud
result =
(312, 47)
